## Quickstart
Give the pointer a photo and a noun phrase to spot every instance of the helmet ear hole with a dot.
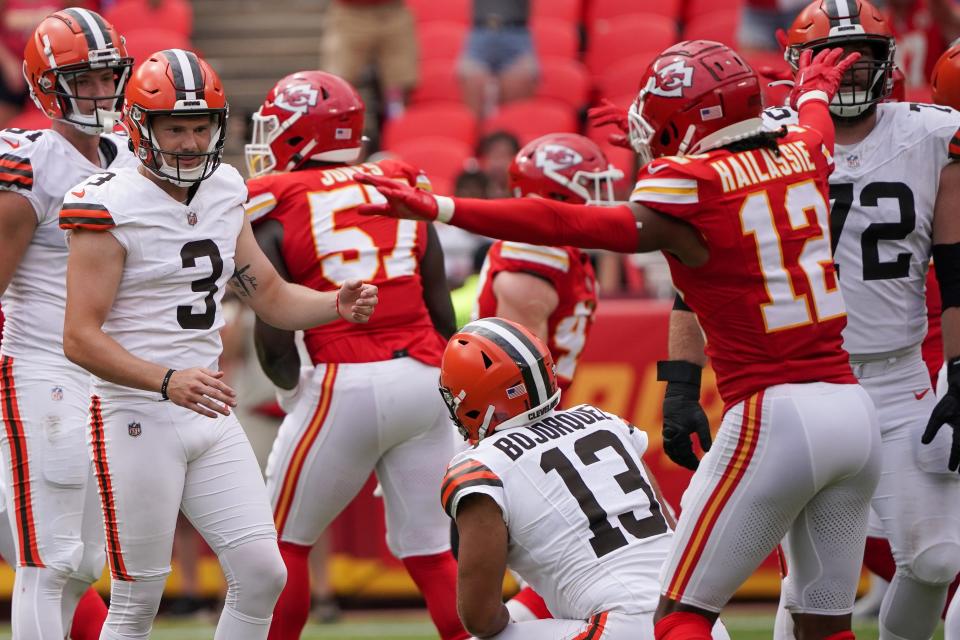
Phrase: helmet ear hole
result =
(473, 414)
(463, 342)
(295, 141)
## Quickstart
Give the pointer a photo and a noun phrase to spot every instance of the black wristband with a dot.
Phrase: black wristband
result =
(679, 371)
(165, 383)
(953, 372)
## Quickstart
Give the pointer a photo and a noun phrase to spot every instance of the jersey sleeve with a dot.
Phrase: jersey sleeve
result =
(467, 475)
(670, 186)
(550, 263)
(261, 200)
(83, 207)
(17, 156)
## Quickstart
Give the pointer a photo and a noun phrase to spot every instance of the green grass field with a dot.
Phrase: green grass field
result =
(415, 626)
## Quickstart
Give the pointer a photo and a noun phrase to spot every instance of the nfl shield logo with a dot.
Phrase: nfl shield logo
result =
(134, 429)
(191, 218)
(56, 394)
(853, 161)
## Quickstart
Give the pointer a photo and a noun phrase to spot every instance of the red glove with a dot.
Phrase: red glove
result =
(609, 113)
(781, 37)
(818, 77)
(403, 201)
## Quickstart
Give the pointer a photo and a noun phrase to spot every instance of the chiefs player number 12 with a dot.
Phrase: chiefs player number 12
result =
(348, 252)
(786, 309)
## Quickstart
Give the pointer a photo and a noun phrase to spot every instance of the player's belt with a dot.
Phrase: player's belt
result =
(885, 356)
(400, 353)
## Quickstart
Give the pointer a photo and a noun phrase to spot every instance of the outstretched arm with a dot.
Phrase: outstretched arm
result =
(289, 306)
(276, 348)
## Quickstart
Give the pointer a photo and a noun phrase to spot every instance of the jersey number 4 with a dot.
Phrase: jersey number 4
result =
(786, 308)
(606, 537)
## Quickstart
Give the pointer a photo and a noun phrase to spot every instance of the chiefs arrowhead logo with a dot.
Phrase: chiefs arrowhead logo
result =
(669, 81)
(297, 98)
(554, 157)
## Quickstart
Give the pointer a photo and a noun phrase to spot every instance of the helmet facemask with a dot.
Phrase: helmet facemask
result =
(593, 187)
(259, 157)
(155, 159)
(60, 82)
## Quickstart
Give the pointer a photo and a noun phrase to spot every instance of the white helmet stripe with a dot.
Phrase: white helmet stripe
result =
(189, 81)
(529, 357)
(98, 36)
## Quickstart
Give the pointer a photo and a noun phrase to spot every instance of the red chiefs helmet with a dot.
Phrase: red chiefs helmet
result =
(65, 45)
(848, 23)
(696, 96)
(174, 82)
(563, 166)
(945, 79)
(309, 115)
(495, 374)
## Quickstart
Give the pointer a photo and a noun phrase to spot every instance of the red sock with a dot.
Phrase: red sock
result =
(89, 616)
(950, 594)
(683, 625)
(533, 602)
(436, 577)
(878, 558)
(843, 635)
(292, 609)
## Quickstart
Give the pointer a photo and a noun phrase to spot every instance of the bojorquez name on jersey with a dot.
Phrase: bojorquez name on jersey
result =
(518, 441)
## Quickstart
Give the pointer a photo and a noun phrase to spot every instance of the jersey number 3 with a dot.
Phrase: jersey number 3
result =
(606, 537)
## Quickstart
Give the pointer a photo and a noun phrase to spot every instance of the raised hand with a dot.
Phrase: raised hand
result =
(403, 201)
(818, 77)
(356, 301)
(201, 391)
(609, 113)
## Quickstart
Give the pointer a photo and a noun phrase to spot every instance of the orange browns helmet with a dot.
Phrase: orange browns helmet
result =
(945, 79)
(174, 82)
(64, 45)
(495, 374)
(563, 166)
(839, 23)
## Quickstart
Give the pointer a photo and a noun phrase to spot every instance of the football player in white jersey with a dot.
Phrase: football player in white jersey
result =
(560, 497)
(151, 251)
(76, 66)
(895, 192)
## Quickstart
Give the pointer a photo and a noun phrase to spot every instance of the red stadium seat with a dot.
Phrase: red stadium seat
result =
(566, 10)
(529, 119)
(623, 77)
(613, 9)
(694, 8)
(610, 40)
(132, 15)
(565, 81)
(555, 38)
(458, 11)
(431, 120)
(441, 40)
(767, 63)
(442, 159)
(626, 161)
(29, 118)
(141, 43)
(438, 83)
(719, 26)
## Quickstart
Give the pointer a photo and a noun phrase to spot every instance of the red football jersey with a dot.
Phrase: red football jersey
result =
(569, 271)
(325, 242)
(767, 298)
(919, 43)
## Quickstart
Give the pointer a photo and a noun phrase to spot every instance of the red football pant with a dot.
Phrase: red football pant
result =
(89, 616)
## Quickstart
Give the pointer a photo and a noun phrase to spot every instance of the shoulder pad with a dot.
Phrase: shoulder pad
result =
(83, 206)
(464, 472)
(551, 257)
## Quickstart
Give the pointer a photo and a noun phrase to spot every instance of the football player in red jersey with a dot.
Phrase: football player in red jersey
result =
(369, 402)
(742, 218)
(550, 290)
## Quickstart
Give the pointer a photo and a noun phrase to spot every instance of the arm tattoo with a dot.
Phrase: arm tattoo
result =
(243, 283)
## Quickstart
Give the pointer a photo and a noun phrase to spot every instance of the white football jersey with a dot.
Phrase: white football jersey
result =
(41, 166)
(585, 528)
(179, 258)
(882, 195)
